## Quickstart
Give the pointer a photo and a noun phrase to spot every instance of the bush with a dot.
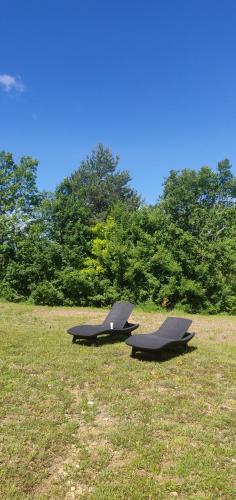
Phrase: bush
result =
(192, 295)
(8, 293)
(47, 294)
(76, 286)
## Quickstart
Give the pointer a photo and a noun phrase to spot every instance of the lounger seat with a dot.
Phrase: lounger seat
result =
(86, 330)
(173, 332)
(118, 317)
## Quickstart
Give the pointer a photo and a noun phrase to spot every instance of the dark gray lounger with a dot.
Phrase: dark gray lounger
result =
(173, 332)
(118, 315)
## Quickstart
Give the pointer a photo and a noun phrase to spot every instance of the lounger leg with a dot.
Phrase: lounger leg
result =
(186, 347)
(94, 342)
(74, 339)
(133, 352)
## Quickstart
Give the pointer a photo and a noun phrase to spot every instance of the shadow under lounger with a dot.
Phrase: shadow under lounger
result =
(118, 315)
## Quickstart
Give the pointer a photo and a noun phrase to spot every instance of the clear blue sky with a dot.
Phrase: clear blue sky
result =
(153, 80)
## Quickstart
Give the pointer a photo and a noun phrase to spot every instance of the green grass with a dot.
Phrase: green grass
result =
(91, 422)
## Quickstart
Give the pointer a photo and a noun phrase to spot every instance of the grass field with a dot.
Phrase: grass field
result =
(79, 421)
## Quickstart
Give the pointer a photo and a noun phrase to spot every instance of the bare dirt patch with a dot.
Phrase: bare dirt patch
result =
(220, 329)
(67, 313)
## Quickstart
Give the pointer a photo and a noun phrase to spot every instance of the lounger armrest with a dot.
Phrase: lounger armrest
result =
(129, 326)
(188, 337)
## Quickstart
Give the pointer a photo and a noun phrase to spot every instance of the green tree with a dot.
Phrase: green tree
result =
(97, 185)
(93, 242)
(18, 189)
(88, 195)
(188, 191)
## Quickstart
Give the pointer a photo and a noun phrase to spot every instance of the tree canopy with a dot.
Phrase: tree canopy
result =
(94, 241)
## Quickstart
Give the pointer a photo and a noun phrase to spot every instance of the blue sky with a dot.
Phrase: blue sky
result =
(153, 80)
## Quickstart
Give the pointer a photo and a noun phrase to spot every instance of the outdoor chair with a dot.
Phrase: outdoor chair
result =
(115, 323)
(172, 333)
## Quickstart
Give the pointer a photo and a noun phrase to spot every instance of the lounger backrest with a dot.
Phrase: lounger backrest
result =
(174, 328)
(118, 314)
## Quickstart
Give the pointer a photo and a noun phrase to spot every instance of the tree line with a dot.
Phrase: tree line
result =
(94, 240)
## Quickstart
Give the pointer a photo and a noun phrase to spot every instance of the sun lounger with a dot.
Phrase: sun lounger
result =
(115, 323)
(172, 333)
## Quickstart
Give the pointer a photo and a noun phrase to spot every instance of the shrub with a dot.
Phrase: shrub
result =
(75, 286)
(47, 294)
(8, 293)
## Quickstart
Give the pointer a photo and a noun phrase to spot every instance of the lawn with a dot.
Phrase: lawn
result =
(80, 421)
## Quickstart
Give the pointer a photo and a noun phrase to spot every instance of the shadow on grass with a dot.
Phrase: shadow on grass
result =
(162, 355)
(103, 340)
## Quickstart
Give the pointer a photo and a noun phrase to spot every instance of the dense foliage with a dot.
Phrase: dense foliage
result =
(94, 241)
